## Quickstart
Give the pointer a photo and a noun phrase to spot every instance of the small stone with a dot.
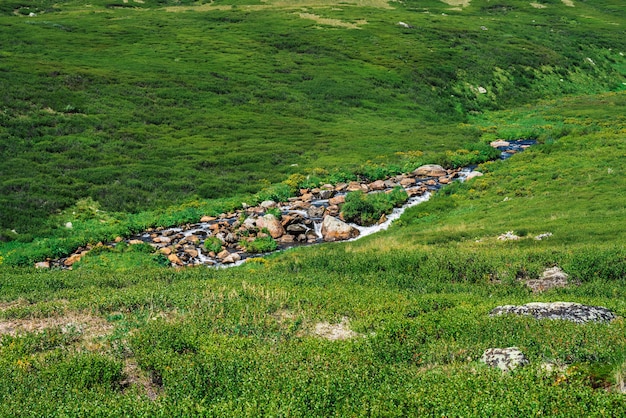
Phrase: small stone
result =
(472, 175)
(135, 242)
(42, 265)
(206, 219)
(69, 225)
(505, 359)
(268, 204)
(174, 259)
(508, 236)
(165, 251)
(118, 239)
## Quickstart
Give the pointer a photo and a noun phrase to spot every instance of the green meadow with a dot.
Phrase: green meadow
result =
(120, 116)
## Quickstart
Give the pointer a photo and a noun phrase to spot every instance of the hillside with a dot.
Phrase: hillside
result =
(119, 116)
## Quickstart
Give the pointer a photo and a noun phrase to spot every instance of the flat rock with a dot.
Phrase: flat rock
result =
(505, 359)
(499, 143)
(472, 175)
(430, 170)
(569, 311)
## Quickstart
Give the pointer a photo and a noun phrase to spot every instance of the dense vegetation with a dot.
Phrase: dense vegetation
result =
(119, 116)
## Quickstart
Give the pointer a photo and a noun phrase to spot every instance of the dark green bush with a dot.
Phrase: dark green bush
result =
(367, 209)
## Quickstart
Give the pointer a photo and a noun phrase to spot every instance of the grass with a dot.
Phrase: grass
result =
(210, 108)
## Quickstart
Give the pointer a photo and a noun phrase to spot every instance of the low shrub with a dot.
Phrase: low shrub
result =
(366, 209)
(260, 245)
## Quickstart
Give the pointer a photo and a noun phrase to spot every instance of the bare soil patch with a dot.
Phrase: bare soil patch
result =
(334, 332)
(457, 3)
(140, 379)
(286, 4)
(87, 325)
(332, 22)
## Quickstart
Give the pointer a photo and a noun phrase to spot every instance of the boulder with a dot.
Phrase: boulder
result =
(326, 194)
(316, 211)
(568, 311)
(191, 252)
(337, 200)
(354, 186)
(223, 254)
(205, 219)
(377, 185)
(505, 359)
(42, 265)
(69, 261)
(341, 187)
(272, 224)
(407, 182)
(165, 251)
(268, 204)
(174, 259)
(334, 229)
(430, 170)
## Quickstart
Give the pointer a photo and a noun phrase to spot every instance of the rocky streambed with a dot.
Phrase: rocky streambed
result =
(313, 216)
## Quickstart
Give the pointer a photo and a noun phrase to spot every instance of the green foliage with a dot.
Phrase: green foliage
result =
(367, 209)
(260, 245)
(213, 244)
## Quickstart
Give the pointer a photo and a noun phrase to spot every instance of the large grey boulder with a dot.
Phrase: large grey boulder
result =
(505, 359)
(568, 311)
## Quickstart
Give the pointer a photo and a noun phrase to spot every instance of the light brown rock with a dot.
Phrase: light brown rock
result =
(174, 259)
(272, 224)
(377, 185)
(337, 200)
(334, 229)
(430, 170)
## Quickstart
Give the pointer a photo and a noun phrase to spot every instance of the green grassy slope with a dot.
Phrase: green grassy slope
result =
(120, 336)
(140, 108)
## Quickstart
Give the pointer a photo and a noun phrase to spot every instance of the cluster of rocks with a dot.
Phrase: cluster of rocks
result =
(509, 358)
(311, 217)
